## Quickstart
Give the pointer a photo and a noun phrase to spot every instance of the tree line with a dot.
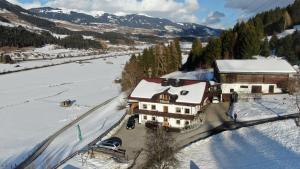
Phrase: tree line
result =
(20, 37)
(153, 62)
(247, 39)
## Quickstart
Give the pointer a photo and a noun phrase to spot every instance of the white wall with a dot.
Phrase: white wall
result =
(171, 109)
(172, 121)
(237, 87)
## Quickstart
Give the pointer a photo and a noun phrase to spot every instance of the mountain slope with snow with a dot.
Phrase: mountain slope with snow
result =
(132, 20)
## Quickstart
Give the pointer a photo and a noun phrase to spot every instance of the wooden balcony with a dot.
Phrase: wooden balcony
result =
(164, 114)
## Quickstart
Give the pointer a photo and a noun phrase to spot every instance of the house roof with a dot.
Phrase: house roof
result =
(255, 66)
(147, 88)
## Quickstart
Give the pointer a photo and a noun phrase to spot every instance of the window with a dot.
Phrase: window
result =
(145, 117)
(178, 110)
(187, 111)
(184, 92)
(164, 97)
(145, 106)
(166, 109)
(231, 90)
(178, 122)
(153, 118)
(187, 123)
(153, 107)
(244, 87)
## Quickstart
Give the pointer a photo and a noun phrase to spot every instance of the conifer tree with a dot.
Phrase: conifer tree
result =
(248, 42)
(265, 49)
(228, 42)
(212, 51)
(273, 43)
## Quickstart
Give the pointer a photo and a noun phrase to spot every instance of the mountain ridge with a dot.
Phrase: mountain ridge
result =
(130, 20)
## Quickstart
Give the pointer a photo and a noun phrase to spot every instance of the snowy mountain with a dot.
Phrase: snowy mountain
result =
(132, 20)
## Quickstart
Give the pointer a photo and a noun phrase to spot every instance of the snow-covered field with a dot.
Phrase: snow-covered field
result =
(268, 146)
(29, 102)
(266, 107)
(102, 162)
(91, 127)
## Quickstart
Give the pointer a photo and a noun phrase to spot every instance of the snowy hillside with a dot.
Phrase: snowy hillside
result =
(283, 34)
(30, 109)
(130, 20)
(273, 145)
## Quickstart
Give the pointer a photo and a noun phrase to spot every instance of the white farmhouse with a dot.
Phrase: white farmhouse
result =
(172, 102)
(253, 76)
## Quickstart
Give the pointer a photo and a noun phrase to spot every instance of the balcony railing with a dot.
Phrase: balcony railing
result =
(166, 114)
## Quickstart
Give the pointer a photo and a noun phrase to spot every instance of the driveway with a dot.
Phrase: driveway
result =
(133, 140)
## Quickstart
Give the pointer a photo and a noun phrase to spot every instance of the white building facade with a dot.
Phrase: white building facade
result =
(173, 109)
(174, 106)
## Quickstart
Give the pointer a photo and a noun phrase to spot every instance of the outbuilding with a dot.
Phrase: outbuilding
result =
(255, 76)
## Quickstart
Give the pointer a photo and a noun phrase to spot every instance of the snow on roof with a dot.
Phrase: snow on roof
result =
(146, 90)
(255, 66)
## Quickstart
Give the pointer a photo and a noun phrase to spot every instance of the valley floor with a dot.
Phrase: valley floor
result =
(30, 110)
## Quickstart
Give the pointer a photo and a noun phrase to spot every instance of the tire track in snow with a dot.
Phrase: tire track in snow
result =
(30, 100)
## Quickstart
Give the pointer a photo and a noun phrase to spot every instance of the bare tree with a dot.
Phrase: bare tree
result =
(160, 150)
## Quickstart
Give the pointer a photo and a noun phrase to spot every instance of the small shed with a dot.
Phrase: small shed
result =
(67, 103)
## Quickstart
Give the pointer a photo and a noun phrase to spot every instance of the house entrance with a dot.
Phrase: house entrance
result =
(166, 122)
(271, 89)
(256, 89)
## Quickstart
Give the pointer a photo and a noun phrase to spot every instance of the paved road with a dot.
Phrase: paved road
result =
(43, 146)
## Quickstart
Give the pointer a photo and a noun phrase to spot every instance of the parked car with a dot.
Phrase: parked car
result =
(109, 144)
(215, 99)
(136, 116)
(152, 125)
(115, 139)
(130, 123)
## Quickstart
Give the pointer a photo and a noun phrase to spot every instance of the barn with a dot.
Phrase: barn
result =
(263, 76)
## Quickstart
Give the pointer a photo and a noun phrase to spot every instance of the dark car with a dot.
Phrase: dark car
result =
(115, 139)
(152, 125)
(136, 116)
(130, 123)
(112, 143)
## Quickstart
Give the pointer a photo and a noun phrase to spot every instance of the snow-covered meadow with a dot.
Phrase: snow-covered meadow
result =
(101, 162)
(29, 102)
(265, 107)
(91, 127)
(268, 146)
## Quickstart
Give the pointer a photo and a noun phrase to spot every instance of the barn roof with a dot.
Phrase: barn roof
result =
(254, 66)
(147, 88)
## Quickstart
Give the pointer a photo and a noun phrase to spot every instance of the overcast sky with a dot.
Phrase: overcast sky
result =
(213, 13)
